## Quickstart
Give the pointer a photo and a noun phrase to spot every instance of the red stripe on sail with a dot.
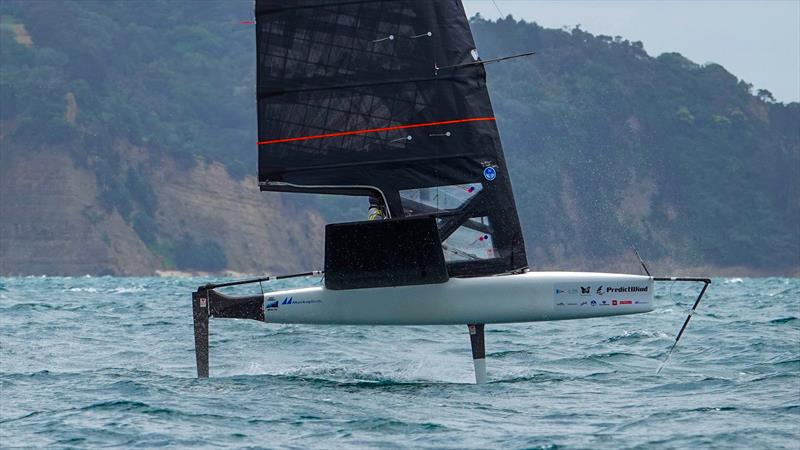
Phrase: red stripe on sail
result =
(375, 130)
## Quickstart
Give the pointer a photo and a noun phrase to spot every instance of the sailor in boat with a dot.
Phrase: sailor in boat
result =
(377, 210)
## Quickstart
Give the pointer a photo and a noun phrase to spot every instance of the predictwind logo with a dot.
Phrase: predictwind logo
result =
(627, 289)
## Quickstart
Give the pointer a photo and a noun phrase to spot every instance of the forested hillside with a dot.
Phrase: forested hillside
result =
(127, 131)
(611, 147)
(128, 128)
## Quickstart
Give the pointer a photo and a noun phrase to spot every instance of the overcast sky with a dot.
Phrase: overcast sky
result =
(758, 41)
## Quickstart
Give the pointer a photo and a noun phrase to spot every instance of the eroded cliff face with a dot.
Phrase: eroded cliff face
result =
(52, 222)
(259, 232)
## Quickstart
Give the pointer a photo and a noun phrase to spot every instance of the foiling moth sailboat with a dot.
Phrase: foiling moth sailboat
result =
(388, 99)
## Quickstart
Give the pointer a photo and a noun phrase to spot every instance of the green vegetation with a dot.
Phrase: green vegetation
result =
(608, 146)
(596, 119)
(173, 77)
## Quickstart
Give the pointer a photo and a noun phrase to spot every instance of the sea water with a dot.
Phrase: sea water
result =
(100, 362)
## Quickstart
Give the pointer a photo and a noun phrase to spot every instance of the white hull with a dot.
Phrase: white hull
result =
(526, 297)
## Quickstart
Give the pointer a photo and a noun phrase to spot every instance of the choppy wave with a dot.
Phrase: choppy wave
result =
(99, 361)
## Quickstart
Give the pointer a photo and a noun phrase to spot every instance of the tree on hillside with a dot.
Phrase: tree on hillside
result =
(766, 96)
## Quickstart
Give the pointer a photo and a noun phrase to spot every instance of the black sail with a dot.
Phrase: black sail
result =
(387, 98)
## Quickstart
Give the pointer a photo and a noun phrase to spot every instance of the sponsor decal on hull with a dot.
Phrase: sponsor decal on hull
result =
(292, 301)
(628, 289)
(272, 303)
(578, 294)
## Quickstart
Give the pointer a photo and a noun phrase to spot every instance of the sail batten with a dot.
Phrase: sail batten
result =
(349, 94)
(319, 85)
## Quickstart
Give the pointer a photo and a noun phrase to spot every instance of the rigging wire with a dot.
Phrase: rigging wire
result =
(641, 261)
(498, 8)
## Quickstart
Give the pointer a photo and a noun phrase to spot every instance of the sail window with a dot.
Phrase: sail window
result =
(437, 199)
(471, 241)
